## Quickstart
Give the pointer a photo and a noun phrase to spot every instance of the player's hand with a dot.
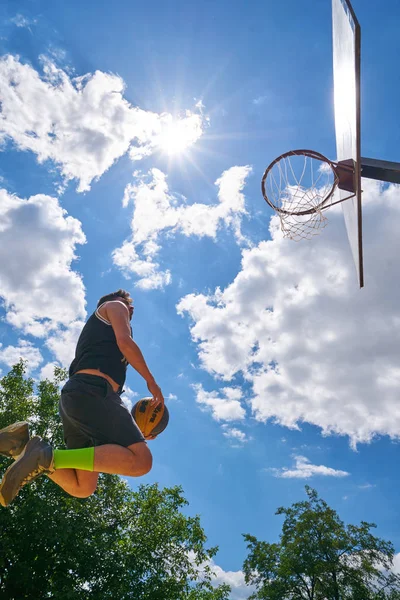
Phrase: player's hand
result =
(156, 392)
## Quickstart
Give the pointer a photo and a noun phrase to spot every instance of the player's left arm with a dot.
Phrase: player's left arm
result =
(118, 315)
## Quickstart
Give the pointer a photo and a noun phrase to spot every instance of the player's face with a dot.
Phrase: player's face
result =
(130, 307)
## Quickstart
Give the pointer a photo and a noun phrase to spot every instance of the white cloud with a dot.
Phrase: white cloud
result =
(172, 397)
(47, 372)
(38, 287)
(150, 276)
(396, 563)
(84, 124)
(303, 469)
(22, 21)
(260, 100)
(235, 579)
(237, 437)
(314, 347)
(157, 211)
(225, 406)
(10, 355)
(63, 342)
(129, 398)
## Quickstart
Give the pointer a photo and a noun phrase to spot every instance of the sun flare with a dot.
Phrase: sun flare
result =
(178, 135)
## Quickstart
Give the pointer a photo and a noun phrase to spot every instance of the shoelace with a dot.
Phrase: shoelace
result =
(33, 475)
(40, 470)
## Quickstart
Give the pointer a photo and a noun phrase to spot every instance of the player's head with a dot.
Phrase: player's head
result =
(123, 294)
(118, 295)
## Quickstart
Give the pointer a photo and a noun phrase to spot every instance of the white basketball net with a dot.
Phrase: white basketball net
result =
(296, 184)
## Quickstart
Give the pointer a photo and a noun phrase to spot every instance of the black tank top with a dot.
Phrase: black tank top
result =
(97, 348)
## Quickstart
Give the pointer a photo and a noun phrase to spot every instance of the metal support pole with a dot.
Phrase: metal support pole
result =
(380, 169)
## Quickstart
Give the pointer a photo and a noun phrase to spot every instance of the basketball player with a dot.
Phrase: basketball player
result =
(99, 431)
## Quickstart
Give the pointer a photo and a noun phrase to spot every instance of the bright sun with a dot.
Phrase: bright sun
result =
(177, 136)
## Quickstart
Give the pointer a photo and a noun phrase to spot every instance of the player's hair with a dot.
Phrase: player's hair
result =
(118, 294)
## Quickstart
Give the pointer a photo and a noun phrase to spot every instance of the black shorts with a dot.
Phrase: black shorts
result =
(93, 414)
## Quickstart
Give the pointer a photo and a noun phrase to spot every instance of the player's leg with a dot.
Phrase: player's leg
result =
(75, 482)
(92, 415)
(62, 467)
(134, 461)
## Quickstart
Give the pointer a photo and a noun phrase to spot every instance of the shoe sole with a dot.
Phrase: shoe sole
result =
(2, 501)
(15, 427)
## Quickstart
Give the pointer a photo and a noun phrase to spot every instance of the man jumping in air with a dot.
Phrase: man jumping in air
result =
(99, 431)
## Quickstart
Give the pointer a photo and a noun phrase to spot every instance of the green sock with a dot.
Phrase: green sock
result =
(83, 459)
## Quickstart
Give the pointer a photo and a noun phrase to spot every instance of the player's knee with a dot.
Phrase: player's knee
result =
(84, 492)
(142, 459)
(146, 464)
(86, 488)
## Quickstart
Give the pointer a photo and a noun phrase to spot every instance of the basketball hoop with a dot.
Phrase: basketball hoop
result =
(299, 185)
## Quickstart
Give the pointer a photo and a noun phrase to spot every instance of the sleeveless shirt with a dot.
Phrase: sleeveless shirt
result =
(97, 348)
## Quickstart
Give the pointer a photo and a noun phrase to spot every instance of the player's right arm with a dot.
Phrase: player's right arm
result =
(118, 315)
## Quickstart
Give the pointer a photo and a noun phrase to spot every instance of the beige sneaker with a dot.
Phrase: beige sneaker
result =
(13, 439)
(36, 459)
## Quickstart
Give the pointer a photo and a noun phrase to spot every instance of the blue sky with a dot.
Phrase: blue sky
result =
(134, 138)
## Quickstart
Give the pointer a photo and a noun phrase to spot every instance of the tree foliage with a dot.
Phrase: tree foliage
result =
(118, 544)
(319, 558)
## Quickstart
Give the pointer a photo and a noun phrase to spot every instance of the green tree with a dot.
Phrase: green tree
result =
(118, 544)
(319, 558)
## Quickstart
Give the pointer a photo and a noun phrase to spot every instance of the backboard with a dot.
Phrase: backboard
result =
(346, 79)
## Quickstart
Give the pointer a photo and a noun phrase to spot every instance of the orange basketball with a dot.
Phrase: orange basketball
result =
(151, 420)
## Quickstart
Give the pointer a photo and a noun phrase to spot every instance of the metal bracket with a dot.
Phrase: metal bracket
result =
(380, 169)
(346, 172)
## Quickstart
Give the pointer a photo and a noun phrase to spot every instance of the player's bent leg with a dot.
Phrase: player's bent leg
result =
(133, 461)
(80, 484)
(76, 471)
(143, 460)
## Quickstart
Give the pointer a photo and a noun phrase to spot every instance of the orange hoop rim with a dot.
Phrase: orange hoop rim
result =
(311, 154)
